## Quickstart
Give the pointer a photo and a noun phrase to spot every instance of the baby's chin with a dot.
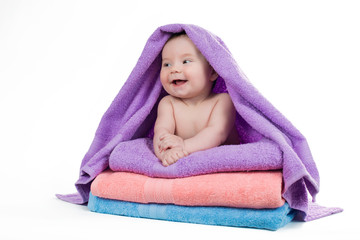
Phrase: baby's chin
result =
(178, 91)
(178, 94)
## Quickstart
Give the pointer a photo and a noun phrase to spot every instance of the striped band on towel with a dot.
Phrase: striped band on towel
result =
(271, 219)
(260, 189)
(158, 191)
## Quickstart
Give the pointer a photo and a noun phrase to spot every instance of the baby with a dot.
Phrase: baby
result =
(191, 118)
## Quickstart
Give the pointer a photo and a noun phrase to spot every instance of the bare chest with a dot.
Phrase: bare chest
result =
(191, 120)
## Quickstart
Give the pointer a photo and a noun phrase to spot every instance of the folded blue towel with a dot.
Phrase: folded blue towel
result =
(271, 219)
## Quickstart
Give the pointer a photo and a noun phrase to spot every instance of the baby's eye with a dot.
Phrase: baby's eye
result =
(166, 64)
(186, 61)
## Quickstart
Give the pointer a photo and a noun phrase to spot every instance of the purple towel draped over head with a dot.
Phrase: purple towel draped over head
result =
(132, 114)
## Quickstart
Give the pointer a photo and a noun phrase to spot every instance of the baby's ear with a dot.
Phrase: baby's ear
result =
(213, 75)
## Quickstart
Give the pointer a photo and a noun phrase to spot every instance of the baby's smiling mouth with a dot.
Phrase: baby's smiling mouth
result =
(178, 82)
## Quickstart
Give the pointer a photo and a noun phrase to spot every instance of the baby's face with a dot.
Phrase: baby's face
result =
(185, 73)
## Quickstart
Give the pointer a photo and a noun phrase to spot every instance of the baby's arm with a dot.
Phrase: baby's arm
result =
(168, 147)
(220, 124)
(165, 124)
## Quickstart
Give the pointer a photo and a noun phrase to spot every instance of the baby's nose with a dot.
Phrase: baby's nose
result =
(175, 68)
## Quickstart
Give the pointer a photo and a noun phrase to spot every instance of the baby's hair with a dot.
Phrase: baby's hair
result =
(176, 35)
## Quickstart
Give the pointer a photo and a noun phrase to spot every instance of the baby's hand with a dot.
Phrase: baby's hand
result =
(171, 156)
(170, 141)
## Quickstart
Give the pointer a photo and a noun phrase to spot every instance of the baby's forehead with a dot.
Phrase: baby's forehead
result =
(181, 44)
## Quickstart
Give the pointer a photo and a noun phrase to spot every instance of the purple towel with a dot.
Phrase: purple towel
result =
(132, 114)
(138, 156)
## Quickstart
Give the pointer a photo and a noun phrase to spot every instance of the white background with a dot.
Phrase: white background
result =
(63, 62)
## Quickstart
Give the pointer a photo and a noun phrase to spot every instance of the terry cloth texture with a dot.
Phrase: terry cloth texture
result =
(271, 219)
(258, 190)
(138, 156)
(132, 114)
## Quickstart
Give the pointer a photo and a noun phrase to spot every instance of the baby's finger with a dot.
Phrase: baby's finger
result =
(163, 145)
(163, 136)
(169, 138)
(173, 158)
(179, 155)
(165, 162)
(167, 144)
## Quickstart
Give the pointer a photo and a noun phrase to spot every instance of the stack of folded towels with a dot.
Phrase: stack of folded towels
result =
(239, 185)
(139, 186)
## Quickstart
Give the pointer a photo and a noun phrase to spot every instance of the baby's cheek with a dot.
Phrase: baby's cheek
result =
(162, 77)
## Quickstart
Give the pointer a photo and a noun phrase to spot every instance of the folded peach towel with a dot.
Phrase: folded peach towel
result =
(258, 190)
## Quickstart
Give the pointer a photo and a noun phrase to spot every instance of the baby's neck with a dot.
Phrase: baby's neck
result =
(195, 101)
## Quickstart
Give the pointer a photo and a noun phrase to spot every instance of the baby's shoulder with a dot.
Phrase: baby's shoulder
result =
(165, 104)
(223, 98)
(168, 99)
(224, 102)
